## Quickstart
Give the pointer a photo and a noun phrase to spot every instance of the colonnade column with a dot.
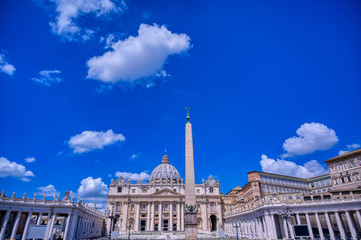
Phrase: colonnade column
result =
(5, 223)
(285, 228)
(152, 220)
(136, 224)
(298, 218)
(148, 217)
(16, 225)
(351, 225)
(26, 228)
(319, 226)
(71, 234)
(50, 229)
(178, 217)
(291, 228)
(170, 228)
(67, 227)
(309, 225)
(266, 227)
(329, 226)
(160, 225)
(38, 221)
(340, 226)
(358, 216)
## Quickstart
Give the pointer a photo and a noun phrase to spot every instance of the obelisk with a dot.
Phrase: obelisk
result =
(190, 210)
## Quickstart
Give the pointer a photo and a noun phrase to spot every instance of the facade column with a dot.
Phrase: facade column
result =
(153, 216)
(125, 216)
(219, 213)
(178, 217)
(26, 228)
(309, 226)
(291, 228)
(205, 219)
(148, 217)
(285, 227)
(170, 228)
(351, 225)
(260, 229)
(182, 214)
(298, 219)
(50, 229)
(4, 224)
(38, 221)
(16, 225)
(319, 226)
(329, 226)
(67, 227)
(340, 226)
(136, 224)
(160, 224)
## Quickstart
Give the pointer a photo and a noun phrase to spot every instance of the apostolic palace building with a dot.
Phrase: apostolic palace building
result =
(269, 206)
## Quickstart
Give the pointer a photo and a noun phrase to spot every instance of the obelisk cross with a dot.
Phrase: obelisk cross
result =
(188, 108)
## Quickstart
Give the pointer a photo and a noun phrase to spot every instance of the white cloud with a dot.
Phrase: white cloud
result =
(349, 147)
(69, 11)
(93, 189)
(90, 140)
(310, 138)
(5, 67)
(13, 169)
(47, 77)
(48, 191)
(138, 57)
(135, 156)
(30, 159)
(133, 176)
(309, 169)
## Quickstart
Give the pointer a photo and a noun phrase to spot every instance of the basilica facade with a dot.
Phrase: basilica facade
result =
(158, 205)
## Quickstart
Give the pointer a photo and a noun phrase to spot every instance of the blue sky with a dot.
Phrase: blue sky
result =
(90, 90)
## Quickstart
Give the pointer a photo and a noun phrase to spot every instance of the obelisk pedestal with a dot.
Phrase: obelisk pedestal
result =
(190, 210)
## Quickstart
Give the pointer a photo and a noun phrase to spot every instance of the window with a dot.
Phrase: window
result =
(133, 190)
(165, 207)
(211, 190)
(212, 207)
(143, 207)
(339, 167)
(119, 189)
(174, 207)
(145, 190)
(156, 208)
(356, 176)
(290, 197)
(197, 190)
(117, 208)
(344, 166)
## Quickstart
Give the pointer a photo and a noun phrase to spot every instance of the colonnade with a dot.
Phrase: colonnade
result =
(341, 223)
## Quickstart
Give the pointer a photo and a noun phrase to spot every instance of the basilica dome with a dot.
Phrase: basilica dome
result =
(165, 172)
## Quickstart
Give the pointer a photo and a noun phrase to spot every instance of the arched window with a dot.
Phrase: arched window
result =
(119, 189)
(212, 207)
(143, 207)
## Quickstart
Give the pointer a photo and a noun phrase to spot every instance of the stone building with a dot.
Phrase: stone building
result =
(158, 205)
(345, 170)
(329, 205)
(24, 218)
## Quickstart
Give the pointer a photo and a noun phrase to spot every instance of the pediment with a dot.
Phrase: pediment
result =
(166, 192)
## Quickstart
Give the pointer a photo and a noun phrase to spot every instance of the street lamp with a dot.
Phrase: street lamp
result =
(236, 225)
(286, 215)
(129, 226)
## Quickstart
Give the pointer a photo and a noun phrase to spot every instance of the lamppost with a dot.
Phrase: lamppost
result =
(129, 226)
(286, 215)
(236, 225)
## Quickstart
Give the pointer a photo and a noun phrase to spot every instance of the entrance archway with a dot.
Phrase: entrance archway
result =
(142, 225)
(213, 223)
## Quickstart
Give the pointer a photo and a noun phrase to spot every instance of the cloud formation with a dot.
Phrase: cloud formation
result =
(90, 140)
(69, 11)
(48, 191)
(48, 77)
(309, 169)
(310, 138)
(133, 176)
(349, 147)
(5, 67)
(138, 57)
(93, 189)
(13, 169)
(30, 159)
